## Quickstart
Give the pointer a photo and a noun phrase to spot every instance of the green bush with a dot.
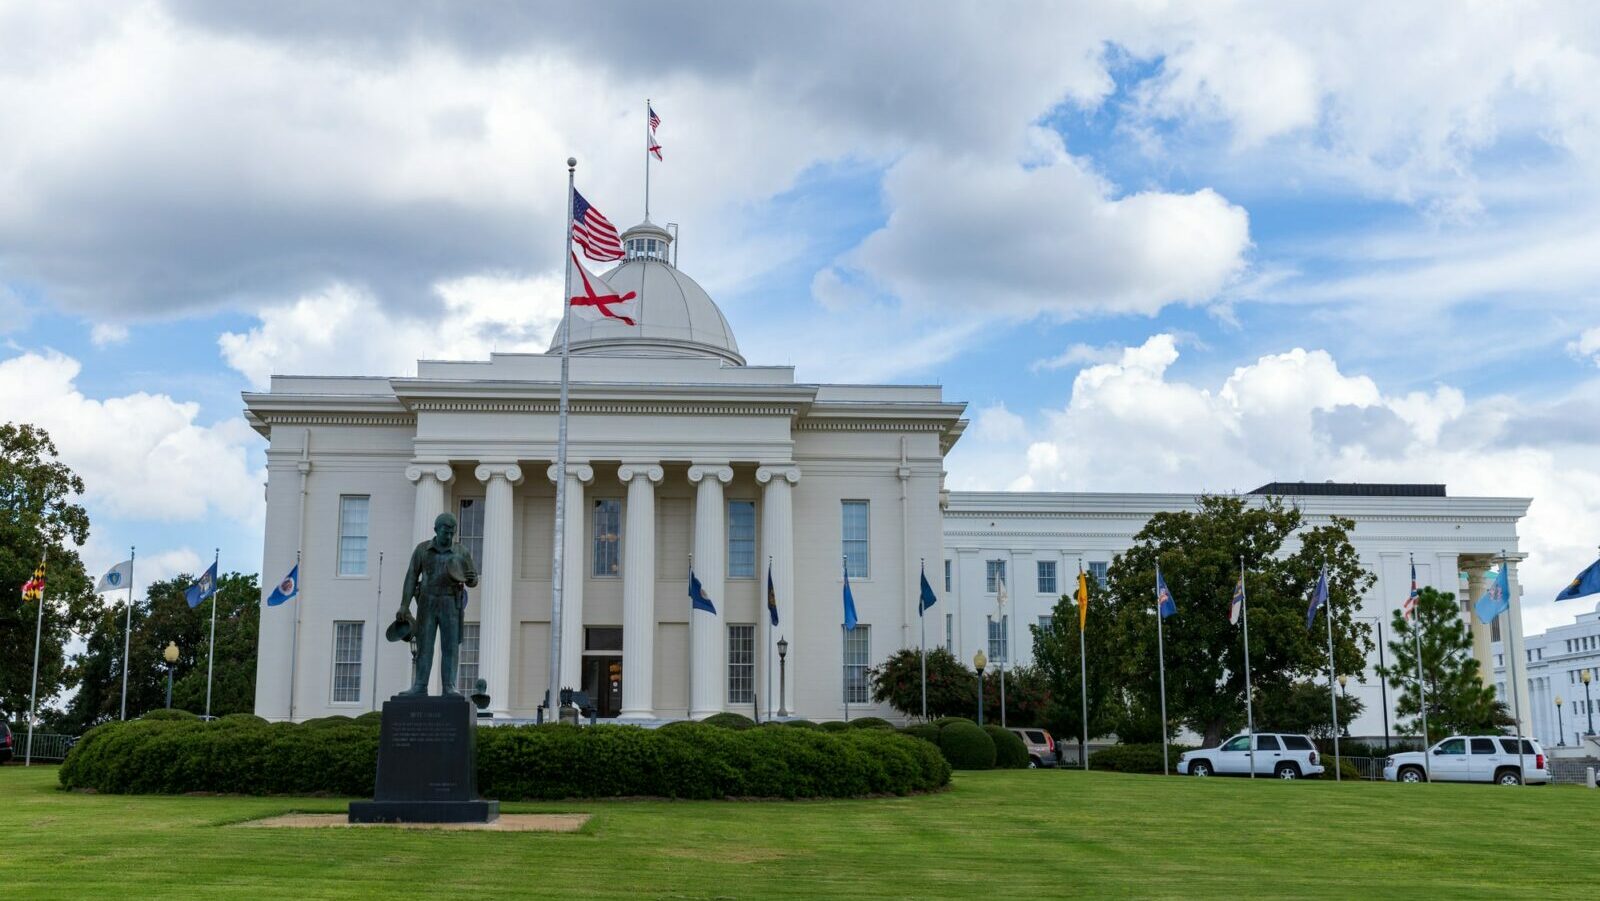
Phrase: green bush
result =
(730, 721)
(944, 721)
(1140, 758)
(966, 746)
(871, 722)
(1009, 751)
(338, 756)
(165, 714)
(1347, 770)
(802, 724)
(835, 726)
(928, 732)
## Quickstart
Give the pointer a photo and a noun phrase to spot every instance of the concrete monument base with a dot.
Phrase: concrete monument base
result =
(427, 765)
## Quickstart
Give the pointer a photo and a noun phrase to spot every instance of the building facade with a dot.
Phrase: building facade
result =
(1553, 667)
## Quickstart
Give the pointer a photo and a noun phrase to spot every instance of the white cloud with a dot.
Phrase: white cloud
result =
(140, 455)
(1587, 346)
(1129, 426)
(106, 334)
(345, 331)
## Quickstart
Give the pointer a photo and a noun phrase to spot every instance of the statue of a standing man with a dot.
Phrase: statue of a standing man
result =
(437, 577)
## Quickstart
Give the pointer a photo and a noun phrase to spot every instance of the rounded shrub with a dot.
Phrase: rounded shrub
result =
(944, 721)
(871, 722)
(234, 719)
(928, 732)
(802, 724)
(729, 720)
(966, 746)
(1009, 751)
(165, 714)
(835, 726)
(1136, 758)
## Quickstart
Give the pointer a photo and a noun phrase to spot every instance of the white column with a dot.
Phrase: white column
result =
(707, 634)
(430, 479)
(1480, 631)
(573, 574)
(1514, 620)
(639, 590)
(495, 575)
(777, 539)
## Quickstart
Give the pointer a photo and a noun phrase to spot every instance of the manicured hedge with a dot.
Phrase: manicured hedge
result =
(1009, 751)
(686, 760)
(730, 721)
(966, 746)
(1136, 758)
(870, 722)
(928, 732)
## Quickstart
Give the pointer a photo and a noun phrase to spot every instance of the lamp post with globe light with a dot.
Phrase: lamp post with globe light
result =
(1588, 706)
(979, 661)
(1561, 738)
(1344, 680)
(171, 656)
(783, 654)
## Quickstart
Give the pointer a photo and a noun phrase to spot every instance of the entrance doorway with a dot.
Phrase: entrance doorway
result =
(602, 682)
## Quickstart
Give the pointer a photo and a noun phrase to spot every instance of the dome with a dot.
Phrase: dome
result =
(677, 318)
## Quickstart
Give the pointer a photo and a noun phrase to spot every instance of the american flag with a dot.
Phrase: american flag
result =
(594, 232)
(1409, 609)
(654, 119)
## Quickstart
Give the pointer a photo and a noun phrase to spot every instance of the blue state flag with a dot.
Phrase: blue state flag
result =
(927, 598)
(772, 596)
(1587, 582)
(288, 588)
(697, 596)
(849, 603)
(206, 587)
(1496, 598)
(1318, 597)
(1165, 605)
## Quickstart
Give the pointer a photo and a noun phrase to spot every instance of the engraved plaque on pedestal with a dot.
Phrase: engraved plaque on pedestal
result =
(427, 765)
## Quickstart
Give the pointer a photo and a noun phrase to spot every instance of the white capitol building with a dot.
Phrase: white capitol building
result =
(679, 447)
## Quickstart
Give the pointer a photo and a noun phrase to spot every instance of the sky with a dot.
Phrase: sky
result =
(1154, 246)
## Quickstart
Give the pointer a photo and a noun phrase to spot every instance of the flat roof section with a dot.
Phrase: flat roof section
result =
(1351, 489)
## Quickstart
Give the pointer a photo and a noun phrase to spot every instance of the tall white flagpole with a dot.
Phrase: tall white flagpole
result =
(377, 624)
(647, 143)
(299, 595)
(127, 632)
(38, 635)
(1083, 666)
(922, 626)
(1161, 657)
(557, 569)
(1333, 683)
(211, 649)
(1005, 637)
(1422, 686)
(1249, 706)
(1513, 651)
(769, 651)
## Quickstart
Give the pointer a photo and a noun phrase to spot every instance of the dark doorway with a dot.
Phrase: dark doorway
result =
(602, 682)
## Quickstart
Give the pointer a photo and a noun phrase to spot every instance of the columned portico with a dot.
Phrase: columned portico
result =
(430, 479)
(573, 574)
(1514, 622)
(707, 650)
(496, 574)
(777, 529)
(1481, 634)
(638, 589)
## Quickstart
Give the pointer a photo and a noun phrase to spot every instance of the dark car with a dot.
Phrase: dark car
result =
(8, 744)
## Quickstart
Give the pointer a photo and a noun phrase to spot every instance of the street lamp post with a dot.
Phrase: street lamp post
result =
(979, 661)
(171, 655)
(1383, 683)
(1344, 680)
(1561, 737)
(1588, 706)
(783, 654)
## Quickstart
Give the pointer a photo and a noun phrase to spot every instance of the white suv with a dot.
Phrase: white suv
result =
(1277, 754)
(1471, 758)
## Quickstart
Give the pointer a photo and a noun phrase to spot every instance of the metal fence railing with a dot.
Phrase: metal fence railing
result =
(49, 747)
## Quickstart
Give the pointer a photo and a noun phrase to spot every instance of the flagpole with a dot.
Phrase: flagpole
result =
(557, 569)
(1516, 702)
(844, 636)
(646, 160)
(1083, 666)
(1422, 687)
(1333, 690)
(38, 635)
(377, 621)
(299, 596)
(127, 634)
(1005, 637)
(1161, 657)
(769, 651)
(1249, 706)
(922, 626)
(211, 651)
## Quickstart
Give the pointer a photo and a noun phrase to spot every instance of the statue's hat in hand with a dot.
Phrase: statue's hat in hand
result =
(402, 628)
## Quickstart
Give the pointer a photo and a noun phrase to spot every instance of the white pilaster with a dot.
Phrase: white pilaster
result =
(573, 574)
(639, 590)
(1480, 632)
(707, 642)
(430, 479)
(777, 536)
(495, 579)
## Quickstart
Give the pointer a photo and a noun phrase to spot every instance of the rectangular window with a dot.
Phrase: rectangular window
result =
(1099, 570)
(469, 528)
(467, 663)
(347, 663)
(607, 537)
(857, 543)
(1266, 743)
(353, 534)
(741, 664)
(1046, 622)
(1483, 746)
(1047, 577)
(855, 664)
(994, 574)
(947, 577)
(950, 632)
(741, 539)
(998, 645)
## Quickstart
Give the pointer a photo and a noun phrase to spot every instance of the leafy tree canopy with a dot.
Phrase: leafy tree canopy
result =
(1458, 700)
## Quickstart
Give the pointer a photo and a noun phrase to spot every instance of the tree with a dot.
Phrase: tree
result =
(1304, 707)
(1028, 701)
(164, 616)
(1199, 553)
(1458, 699)
(1055, 652)
(38, 513)
(952, 688)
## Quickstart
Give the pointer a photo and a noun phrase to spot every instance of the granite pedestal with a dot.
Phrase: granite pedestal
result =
(427, 765)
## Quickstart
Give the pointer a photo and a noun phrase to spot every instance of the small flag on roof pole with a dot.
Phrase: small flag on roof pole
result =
(594, 232)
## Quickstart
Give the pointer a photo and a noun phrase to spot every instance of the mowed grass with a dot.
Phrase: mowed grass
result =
(1040, 834)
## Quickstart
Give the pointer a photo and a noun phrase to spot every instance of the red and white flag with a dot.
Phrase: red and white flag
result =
(593, 299)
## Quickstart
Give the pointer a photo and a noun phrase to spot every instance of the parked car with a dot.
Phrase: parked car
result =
(1041, 747)
(7, 743)
(1471, 758)
(1277, 754)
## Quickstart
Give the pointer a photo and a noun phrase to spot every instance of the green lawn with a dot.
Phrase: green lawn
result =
(1040, 834)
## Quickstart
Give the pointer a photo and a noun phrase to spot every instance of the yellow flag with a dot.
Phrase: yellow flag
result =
(1083, 601)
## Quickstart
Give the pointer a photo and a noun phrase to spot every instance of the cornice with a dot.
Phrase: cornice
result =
(618, 407)
(269, 418)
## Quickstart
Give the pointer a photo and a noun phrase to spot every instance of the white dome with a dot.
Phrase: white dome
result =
(677, 318)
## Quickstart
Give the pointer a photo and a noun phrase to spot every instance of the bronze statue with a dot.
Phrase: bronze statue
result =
(438, 577)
